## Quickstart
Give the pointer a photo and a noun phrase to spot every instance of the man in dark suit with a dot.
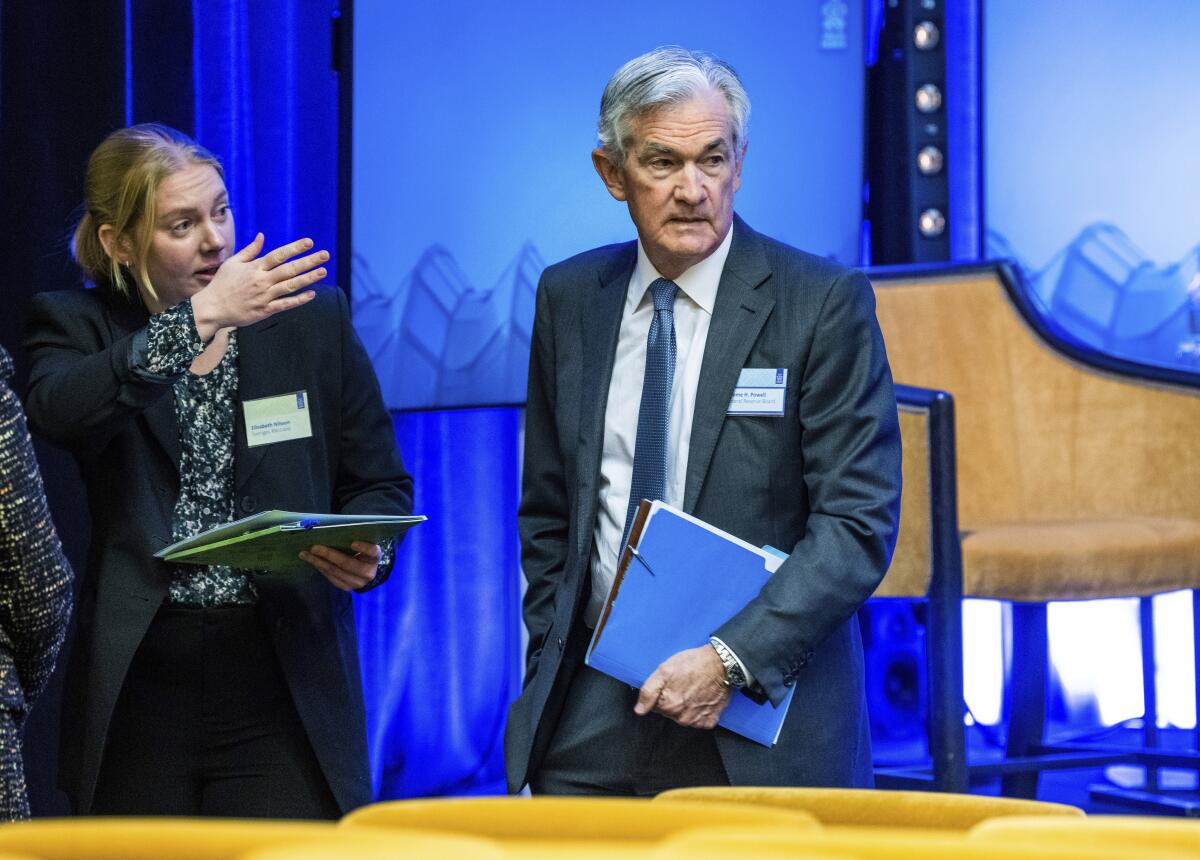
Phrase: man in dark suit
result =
(638, 353)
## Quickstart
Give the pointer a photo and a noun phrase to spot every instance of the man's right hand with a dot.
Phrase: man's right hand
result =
(248, 288)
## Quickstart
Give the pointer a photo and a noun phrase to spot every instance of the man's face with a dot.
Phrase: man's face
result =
(680, 174)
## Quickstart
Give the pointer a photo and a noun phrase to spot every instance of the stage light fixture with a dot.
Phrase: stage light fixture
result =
(929, 98)
(930, 160)
(926, 36)
(932, 223)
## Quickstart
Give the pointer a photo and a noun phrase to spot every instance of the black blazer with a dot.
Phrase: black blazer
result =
(822, 482)
(122, 430)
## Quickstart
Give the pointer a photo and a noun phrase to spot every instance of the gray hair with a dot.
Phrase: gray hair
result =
(666, 76)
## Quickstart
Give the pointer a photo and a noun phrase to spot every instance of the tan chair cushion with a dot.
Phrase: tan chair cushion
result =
(1117, 557)
(1072, 483)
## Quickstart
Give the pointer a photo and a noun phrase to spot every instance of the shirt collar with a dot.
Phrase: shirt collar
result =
(699, 283)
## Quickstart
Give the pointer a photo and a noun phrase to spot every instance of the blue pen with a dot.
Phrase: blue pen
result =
(308, 524)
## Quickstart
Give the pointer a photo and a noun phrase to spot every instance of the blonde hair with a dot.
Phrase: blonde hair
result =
(123, 176)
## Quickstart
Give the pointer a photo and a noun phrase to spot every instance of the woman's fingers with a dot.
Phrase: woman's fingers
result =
(252, 250)
(367, 551)
(344, 571)
(291, 285)
(285, 252)
(298, 267)
(286, 303)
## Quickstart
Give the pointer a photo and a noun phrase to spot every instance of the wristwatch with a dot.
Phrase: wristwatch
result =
(734, 676)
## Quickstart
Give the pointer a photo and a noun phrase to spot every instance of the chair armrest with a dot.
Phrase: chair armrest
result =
(927, 432)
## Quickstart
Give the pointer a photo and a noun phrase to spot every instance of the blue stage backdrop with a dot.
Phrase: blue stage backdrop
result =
(439, 643)
(1092, 172)
(474, 126)
(1091, 176)
(473, 130)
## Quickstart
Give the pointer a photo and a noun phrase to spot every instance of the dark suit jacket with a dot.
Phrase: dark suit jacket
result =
(122, 430)
(823, 481)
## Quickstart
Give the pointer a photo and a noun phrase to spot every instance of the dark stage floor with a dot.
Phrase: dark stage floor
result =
(1066, 786)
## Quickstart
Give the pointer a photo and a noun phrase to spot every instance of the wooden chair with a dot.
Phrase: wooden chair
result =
(1035, 470)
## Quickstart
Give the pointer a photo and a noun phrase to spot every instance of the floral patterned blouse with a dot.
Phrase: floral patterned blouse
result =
(205, 413)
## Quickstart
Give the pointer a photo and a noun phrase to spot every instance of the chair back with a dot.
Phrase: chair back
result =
(1139, 835)
(1040, 435)
(725, 843)
(152, 838)
(574, 818)
(864, 807)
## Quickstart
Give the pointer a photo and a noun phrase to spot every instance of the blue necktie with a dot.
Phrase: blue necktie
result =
(650, 451)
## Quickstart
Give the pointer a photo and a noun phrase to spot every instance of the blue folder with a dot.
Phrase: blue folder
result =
(685, 579)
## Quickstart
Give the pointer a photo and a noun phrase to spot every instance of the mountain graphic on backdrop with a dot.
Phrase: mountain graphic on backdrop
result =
(1109, 294)
(435, 340)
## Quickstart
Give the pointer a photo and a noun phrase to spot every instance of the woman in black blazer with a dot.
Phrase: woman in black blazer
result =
(207, 690)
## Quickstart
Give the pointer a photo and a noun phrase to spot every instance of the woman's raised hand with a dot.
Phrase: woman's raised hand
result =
(248, 288)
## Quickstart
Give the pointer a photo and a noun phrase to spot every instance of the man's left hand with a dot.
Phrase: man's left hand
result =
(689, 688)
(347, 572)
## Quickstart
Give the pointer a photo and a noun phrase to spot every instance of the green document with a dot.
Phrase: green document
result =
(273, 540)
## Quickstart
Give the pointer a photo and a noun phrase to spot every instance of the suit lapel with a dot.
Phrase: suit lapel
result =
(740, 312)
(258, 364)
(124, 319)
(600, 321)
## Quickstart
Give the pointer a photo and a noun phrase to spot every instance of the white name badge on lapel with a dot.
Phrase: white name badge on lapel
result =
(277, 419)
(760, 391)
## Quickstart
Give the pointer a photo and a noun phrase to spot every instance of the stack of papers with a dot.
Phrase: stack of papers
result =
(272, 540)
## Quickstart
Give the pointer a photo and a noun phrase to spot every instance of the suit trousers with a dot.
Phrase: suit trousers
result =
(601, 747)
(205, 725)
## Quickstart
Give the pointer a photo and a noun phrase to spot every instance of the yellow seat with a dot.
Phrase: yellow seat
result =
(879, 843)
(567, 818)
(1034, 470)
(199, 838)
(545, 849)
(876, 808)
(1138, 835)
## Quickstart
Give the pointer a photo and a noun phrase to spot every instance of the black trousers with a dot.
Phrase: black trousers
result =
(205, 725)
(600, 746)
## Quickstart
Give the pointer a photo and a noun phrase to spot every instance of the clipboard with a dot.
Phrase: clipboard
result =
(272, 540)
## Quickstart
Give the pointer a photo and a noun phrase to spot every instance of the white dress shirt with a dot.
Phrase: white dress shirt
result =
(693, 313)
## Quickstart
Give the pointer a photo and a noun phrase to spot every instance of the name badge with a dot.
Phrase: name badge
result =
(760, 391)
(277, 419)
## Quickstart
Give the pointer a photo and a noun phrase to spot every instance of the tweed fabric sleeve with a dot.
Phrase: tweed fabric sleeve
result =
(35, 578)
(35, 591)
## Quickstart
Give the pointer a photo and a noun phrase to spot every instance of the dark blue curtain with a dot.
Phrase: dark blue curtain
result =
(266, 102)
(440, 643)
